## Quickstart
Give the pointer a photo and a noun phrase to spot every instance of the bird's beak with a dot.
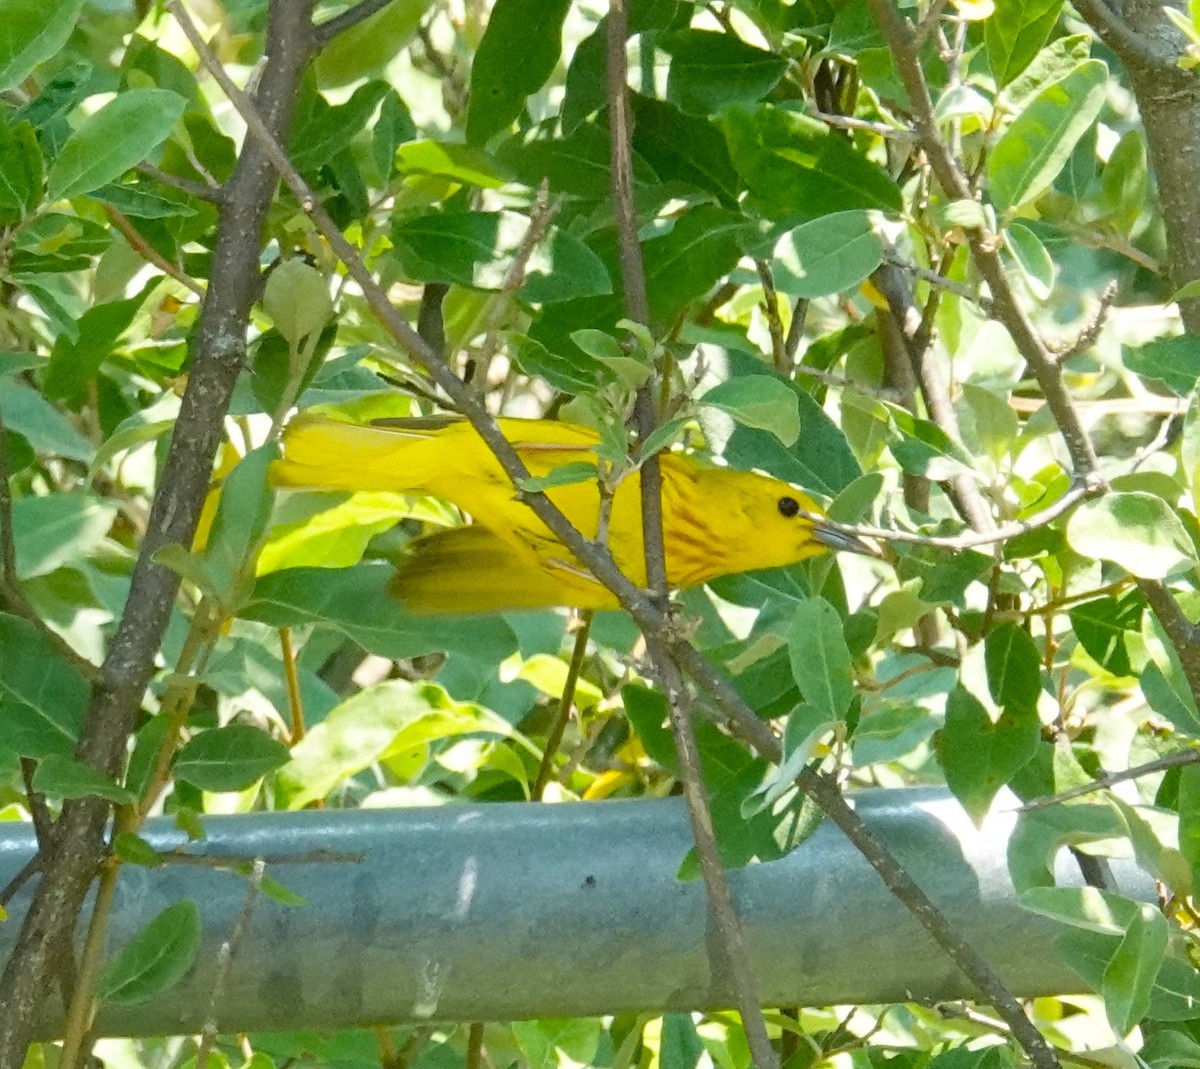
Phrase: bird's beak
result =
(840, 540)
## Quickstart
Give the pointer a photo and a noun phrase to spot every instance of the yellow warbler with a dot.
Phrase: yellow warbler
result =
(715, 521)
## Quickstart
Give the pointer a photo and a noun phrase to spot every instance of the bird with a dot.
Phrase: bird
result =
(716, 521)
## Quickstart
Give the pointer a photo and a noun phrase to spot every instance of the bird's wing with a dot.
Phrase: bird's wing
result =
(465, 570)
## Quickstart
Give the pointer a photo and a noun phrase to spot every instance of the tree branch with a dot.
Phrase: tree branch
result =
(1111, 779)
(728, 939)
(1122, 38)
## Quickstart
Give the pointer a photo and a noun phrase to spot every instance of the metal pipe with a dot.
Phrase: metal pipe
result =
(501, 912)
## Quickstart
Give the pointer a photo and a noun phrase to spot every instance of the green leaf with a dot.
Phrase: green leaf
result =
(979, 755)
(683, 148)
(702, 246)
(31, 31)
(276, 891)
(576, 165)
(478, 249)
(1101, 625)
(806, 726)
(58, 530)
(821, 459)
(1138, 531)
(1165, 1049)
(711, 68)
(797, 163)
(567, 475)
(242, 514)
(308, 531)
(394, 127)
(1166, 700)
(75, 362)
(20, 171)
(370, 45)
(549, 1043)
(1015, 34)
(988, 419)
(64, 777)
(574, 373)
(42, 424)
(680, 1046)
(42, 698)
(447, 159)
(130, 433)
(925, 449)
(820, 660)
(1189, 816)
(155, 959)
(829, 255)
(326, 130)
(519, 51)
(229, 758)
(386, 719)
(1039, 836)
(951, 575)
(1089, 908)
(134, 850)
(1035, 261)
(1052, 63)
(1037, 144)
(760, 402)
(1125, 182)
(355, 602)
(1175, 362)
(110, 141)
(144, 202)
(1130, 975)
(1013, 667)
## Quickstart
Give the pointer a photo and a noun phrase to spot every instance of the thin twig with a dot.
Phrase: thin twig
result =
(848, 122)
(930, 20)
(541, 215)
(984, 245)
(962, 489)
(771, 309)
(883, 393)
(211, 193)
(565, 702)
(43, 824)
(1111, 779)
(1091, 331)
(319, 856)
(147, 251)
(936, 278)
(225, 956)
(27, 871)
(795, 334)
(295, 700)
(326, 31)
(474, 1057)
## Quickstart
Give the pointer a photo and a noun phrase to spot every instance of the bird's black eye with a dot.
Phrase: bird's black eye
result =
(788, 506)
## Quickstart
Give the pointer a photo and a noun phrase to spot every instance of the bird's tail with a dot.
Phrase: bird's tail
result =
(320, 453)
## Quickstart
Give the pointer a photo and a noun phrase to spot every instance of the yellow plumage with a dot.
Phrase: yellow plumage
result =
(715, 521)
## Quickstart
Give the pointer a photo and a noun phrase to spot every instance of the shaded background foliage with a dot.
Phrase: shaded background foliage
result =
(954, 316)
